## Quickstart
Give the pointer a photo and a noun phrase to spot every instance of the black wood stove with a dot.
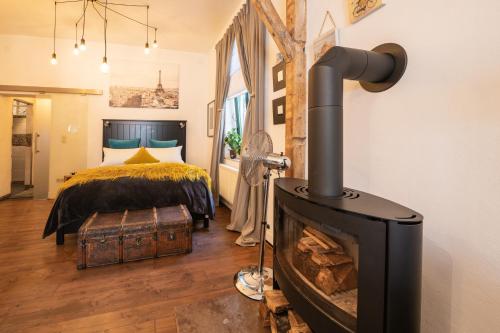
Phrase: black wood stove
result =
(348, 261)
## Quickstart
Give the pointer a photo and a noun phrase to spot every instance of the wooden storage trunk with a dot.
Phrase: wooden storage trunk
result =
(174, 230)
(134, 235)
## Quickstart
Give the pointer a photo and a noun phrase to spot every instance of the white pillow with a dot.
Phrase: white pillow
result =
(172, 155)
(117, 156)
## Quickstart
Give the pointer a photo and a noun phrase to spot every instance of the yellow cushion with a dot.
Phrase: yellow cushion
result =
(142, 156)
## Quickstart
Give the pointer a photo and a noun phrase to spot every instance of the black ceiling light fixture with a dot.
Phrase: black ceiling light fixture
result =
(106, 6)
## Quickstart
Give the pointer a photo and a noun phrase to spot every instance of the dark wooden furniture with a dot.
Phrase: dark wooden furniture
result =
(146, 130)
(113, 238)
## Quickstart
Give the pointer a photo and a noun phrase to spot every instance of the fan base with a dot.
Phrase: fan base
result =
(250, 283)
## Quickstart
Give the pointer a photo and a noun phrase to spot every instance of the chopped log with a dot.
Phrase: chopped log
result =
(309, 244)
(347, 302)
(347, 277)
(321, 237)
(325, 281)
(297, 324)
(301, 259)
(328, 260)
(276, 301)
(264, 314)
(337, 278)
(279, 323)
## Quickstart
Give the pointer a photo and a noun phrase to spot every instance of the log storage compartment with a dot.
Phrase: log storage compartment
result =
(111, 238)
(327, 267)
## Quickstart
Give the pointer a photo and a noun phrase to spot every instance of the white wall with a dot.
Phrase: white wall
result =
(5, 145)
(68, 147)
(431, 143)
(25, 61)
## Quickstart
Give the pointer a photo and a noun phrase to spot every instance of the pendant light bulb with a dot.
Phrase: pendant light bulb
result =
(53, 60)
(76, 50)
(146, 49)
(83, 47)
(104, 65)
(155, 44)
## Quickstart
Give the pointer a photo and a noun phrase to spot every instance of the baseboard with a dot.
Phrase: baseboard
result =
(4, 197)
(225, 203)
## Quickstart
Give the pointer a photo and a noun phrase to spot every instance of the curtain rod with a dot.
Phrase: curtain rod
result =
(54, 90)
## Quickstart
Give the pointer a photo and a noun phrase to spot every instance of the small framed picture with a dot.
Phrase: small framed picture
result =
(279, 109)
(324, 42)
(211, 119)
(359, 9)
(279, 76)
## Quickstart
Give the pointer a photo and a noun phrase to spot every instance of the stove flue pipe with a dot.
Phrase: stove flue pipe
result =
(377, 70)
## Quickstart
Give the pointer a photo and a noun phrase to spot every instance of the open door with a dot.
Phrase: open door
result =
(42, 114)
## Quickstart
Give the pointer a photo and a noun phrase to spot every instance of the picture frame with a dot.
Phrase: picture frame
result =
(326, 39)
(279, 76)
(359, 9)
(211, 119)
(144, 85)
(279, 110)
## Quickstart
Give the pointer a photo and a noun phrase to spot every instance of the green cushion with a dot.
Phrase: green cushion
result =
(162, 144)
(124, 144)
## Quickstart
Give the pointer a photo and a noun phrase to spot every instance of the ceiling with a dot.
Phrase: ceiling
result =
(190, 25)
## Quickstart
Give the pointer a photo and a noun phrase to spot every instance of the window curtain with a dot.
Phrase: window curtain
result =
(247, 204)
(223, 51)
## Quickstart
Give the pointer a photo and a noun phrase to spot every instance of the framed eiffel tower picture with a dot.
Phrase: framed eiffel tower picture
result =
(144, 85)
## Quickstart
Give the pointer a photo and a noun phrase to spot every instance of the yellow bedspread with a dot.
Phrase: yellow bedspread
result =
(152, 171)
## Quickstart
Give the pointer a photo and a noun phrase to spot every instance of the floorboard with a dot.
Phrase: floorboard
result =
(42, 291)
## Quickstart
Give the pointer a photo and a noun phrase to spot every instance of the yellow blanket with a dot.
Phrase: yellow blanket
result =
(152, 171)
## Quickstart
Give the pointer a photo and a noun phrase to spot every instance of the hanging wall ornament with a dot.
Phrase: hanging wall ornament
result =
(326, 39)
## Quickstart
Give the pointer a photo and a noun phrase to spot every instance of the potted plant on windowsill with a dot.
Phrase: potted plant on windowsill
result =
(233, 140)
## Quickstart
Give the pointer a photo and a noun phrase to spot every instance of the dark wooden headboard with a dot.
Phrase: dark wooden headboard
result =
(145, 129)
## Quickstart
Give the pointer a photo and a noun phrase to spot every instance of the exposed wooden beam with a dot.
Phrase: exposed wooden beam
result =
(291, 40)
(269, 16)
(295, 131)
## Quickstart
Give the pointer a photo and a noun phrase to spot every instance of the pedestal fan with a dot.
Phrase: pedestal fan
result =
(257, 163)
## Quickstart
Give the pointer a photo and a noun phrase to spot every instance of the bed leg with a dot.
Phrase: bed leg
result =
(206, 221)
(60, 237)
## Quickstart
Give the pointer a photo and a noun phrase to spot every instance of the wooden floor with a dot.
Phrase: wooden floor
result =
(42, 291)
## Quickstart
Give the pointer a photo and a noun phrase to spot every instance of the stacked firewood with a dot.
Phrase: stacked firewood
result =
(275, 312)
(324, 263)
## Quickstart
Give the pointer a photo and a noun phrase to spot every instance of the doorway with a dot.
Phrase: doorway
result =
(22, 151)
(25, 122)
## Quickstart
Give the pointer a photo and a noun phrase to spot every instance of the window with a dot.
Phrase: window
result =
(235, 106)
(235, 109)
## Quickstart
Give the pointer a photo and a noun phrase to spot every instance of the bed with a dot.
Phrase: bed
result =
(130, 189)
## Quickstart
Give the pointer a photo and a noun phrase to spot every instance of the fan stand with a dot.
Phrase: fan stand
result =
(253, 280)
